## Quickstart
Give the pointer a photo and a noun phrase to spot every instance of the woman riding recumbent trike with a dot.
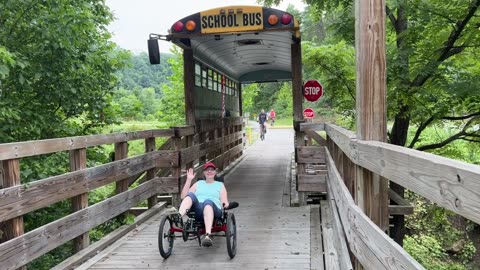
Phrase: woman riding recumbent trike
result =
(202, 204)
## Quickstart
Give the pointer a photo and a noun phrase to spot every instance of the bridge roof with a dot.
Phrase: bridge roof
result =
(240, 41)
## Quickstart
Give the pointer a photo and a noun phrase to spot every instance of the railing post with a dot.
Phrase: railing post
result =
(11, 177)
(78, 161)
(177, 171)
(202, 138)
(149, 147)
(220, 134)
(121, 152)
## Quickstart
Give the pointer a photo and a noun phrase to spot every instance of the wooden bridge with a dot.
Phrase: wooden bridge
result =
(273, 181)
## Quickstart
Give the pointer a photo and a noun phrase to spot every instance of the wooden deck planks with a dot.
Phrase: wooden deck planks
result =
(316, 242)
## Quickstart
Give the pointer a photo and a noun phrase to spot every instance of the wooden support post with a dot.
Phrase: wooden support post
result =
(297, 94)
(220, 134)
(202, 138)
(371, 102)
(189, 85)
(177, 171)
(121, 152)
(240, 105)
(11, 177)
(149, 147)
(78, 161)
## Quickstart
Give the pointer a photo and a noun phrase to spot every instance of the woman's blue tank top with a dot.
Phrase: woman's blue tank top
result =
(209, 191)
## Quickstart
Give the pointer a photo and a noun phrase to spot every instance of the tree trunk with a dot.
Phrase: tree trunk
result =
(399, 137)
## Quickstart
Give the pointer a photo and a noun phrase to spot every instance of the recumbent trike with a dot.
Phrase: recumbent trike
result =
(194, 229)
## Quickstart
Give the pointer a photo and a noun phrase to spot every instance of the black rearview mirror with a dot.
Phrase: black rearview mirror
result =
(153, 51)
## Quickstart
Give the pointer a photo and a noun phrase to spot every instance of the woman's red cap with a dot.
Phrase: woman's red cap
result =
(209, 164)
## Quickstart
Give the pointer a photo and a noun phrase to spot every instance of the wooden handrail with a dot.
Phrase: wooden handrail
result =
(24, 249)
(34, 148)
(452, 184)
(370, 245)
(19, 200)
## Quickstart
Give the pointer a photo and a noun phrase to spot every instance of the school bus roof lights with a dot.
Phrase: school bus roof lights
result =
(273, 19)
(191, 25)
(178, 26)
(286, 18)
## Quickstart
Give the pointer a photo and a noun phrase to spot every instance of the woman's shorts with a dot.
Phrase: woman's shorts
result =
(198, 207)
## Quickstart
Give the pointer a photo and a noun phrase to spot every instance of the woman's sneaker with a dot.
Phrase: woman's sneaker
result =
(207, 241)
(178, 220)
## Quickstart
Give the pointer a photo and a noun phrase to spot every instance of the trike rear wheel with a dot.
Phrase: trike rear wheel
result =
(231, 235)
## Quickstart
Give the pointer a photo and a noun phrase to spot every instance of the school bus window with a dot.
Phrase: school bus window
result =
(198, 78)
(204, 77)
(217, 85)
(210, 79)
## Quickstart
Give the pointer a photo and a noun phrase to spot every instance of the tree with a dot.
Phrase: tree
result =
(432, 73)
(284, 101)
(172, 105)
(57, 68)
(249, 93)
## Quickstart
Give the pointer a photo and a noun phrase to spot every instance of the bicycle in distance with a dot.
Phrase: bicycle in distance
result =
(262, 120)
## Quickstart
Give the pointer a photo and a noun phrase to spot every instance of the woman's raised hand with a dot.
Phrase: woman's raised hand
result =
(190, 174)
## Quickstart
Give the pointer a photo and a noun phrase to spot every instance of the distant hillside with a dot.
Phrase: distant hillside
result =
(141, 74)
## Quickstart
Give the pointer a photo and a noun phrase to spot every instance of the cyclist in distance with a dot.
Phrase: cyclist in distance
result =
(272, 117)
(262, 119)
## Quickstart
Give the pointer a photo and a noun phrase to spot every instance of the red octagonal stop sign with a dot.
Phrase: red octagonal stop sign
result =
(308, 113)
(312, 90)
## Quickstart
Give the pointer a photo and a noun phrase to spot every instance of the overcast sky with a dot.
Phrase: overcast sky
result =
(135, 20)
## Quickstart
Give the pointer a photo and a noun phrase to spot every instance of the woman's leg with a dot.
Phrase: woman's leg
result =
(208, 218)
(186, 204)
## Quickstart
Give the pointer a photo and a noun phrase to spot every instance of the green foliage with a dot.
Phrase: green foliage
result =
(283, 104)
(172, 105)
(432, 232)
(429, 253)
(140, 89)
(140, 74)
(249, 93)
(57, 68)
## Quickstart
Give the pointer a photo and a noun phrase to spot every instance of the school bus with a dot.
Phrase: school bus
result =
(229, 46)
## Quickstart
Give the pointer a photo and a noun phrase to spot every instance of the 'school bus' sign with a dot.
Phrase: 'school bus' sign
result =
(232, 19)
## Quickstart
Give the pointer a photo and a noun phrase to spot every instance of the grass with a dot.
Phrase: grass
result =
(127, 126)
(135, 147)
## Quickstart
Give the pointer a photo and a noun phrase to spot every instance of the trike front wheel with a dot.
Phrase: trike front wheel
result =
(166, 237)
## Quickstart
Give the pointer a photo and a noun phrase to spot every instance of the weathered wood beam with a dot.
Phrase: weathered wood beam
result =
(336, 250)
(310, 154)
(371, 97)
(26, 248)
(19, 200)
(370, 245)
(150, 147)
(34, 148)
(316, 137)
(78, 161)
(312, 126)
(311, 183)
(74, 261)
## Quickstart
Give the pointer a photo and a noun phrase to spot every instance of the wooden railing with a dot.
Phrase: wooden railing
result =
(220, 140)
(451, 184)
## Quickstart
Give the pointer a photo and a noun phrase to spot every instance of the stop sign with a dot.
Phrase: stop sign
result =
(308, 113)
(312, 90)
